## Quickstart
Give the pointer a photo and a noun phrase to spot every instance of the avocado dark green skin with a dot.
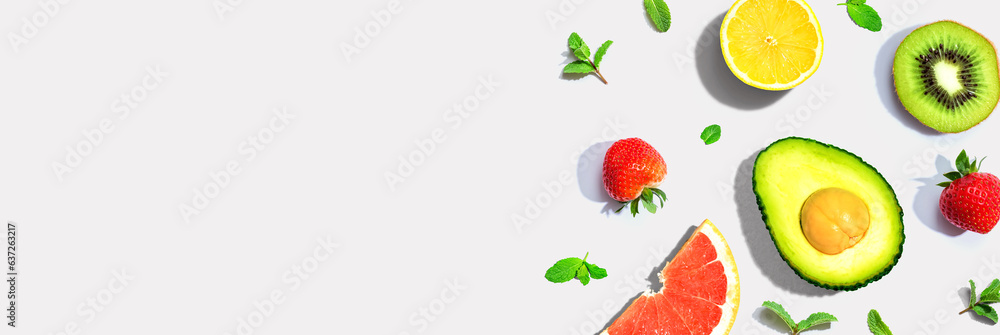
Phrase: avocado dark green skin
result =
(763, 214)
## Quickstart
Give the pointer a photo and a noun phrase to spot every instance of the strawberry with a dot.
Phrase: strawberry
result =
(632, 171)
(971, 201)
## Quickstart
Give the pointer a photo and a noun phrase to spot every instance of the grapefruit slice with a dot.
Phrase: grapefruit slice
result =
(700, 294)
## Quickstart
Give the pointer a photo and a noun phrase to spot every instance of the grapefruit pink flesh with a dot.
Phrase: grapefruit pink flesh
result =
(700, 294)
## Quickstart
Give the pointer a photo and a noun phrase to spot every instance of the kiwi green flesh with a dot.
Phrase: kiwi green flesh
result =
(946, 76)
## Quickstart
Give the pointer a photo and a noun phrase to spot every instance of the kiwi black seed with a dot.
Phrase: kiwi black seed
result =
(946, 76)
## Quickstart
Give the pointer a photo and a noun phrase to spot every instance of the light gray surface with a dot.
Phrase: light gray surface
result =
(443, 239)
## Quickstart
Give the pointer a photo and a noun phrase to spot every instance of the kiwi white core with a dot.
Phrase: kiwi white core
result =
(946, 75)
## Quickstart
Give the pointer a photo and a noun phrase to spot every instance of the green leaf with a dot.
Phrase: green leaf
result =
(986, 311)
(635, 207)
(660, 14)
(600, 53)
(962, 163)
(575, 42)
(648, 204)
(777, 309)
(815, 319)
(711, 134)
(596, 271)
(953, 175)
(864, 15)
(972, 293)
(564, 270)
(944, 184)
(659, 194)
(875, 324)
(991, 291)
(583, 275)
(646, 194)
(580, 66)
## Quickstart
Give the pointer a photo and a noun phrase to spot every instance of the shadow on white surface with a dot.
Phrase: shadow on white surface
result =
(590, 177)
(925, 203)
(762, 248)
(887, 87)
(654, 277)
(719, 81)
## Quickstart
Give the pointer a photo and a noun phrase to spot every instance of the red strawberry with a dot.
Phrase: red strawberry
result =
(632, 171)
(971, 201)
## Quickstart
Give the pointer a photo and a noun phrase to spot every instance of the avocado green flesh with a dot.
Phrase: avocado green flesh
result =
(980, 67)
(787, 172)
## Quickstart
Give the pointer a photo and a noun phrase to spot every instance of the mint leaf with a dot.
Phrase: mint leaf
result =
(875, 324)
(711, 134)
(600, 53)
(575, 41)
(986, 311)
(659, 13)
(583, 275)
(972, 294)
(777, 309)
(582, 52)
(815, 319)
(863, 15)
(564, 270)
(991, 294)
(596, 271)
(569, 268)
(579, 66)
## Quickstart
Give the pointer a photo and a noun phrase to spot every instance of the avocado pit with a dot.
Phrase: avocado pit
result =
(834, 219)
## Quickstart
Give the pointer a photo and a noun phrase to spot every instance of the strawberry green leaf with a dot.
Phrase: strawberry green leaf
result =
(635, 207)
(944, 184)
(780, 311)
(972, 293)
(814, 320)
(647, 202)
(875, 324)
(659, 194)
(596, 271)
(986, 311)
(624, 204)
(583, 275)
(599, 56)
(579, 66)
(962, 163)
(564, 270)
(954, 175)
(647, 194)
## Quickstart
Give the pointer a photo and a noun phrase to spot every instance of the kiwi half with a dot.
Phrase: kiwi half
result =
(946, 76)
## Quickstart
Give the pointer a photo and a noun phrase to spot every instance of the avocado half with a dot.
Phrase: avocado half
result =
(787, 172)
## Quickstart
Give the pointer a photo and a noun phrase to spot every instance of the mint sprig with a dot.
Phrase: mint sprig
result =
(813, 320)
(659, 13)
(582, 53)
(875, 324)
(964, 168)
(574, 268)
(863, 15)
(989, 296)
(711, 134)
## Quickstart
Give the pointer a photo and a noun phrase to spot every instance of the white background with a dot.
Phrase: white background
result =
(439, 252)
